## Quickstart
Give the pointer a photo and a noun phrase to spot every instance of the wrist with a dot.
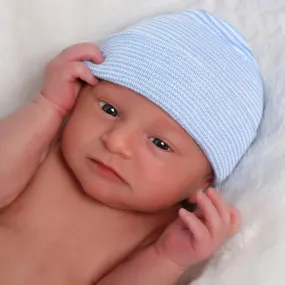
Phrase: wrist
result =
(48, 106)
(167, 265)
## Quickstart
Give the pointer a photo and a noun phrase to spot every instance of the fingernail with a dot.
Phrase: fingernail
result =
(211, 189)
(207, 189)
(183, 212)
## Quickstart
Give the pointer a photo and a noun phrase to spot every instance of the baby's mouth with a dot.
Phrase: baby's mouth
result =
(107, 171)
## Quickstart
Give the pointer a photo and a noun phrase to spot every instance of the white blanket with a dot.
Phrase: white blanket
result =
(33, 31)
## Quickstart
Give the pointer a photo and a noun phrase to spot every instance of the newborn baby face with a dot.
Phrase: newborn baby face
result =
(128, 153)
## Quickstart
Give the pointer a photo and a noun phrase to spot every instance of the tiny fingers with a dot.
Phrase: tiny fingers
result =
(229, 214)
(219, 203)
(211, 225)
(78, 70)
(210, 214)
(195, 226)
(83, 51)
(221, 219)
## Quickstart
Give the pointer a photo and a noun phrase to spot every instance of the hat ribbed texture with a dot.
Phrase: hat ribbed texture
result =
(201, 71)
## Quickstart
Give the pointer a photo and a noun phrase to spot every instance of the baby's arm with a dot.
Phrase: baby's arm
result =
(24, 140)
(185, 245)
(144, 268)
(26, 135)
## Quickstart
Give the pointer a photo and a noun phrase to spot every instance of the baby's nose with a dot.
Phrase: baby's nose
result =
(121, 139)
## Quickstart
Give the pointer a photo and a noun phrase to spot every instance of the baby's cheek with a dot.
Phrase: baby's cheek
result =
(160, 191)
(67, 142)
(71, 147)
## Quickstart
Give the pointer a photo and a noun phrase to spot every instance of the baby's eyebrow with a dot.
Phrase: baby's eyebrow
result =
(96, 90)
(173, 129)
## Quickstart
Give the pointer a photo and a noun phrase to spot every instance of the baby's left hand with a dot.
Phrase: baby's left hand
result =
(194, 237)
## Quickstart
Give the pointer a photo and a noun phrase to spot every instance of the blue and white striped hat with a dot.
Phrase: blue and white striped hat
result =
(201, 71)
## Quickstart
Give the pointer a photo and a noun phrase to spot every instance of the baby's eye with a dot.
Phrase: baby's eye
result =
(109, 109)
(159, 143)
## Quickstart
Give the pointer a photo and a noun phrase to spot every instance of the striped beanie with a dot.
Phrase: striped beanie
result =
(201, 71)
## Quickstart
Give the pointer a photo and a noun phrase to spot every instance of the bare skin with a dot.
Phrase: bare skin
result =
(69, 219)
(55, 234)
(56, 227)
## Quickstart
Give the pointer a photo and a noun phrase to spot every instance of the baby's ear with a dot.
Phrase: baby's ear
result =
(208, 182)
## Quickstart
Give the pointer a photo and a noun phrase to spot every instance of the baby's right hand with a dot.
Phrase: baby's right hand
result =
(61, 85)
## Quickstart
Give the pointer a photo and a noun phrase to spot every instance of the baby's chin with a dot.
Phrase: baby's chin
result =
(120, 198)
(103, 192)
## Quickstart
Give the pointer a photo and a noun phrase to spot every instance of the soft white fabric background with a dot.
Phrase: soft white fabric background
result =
(33, 31)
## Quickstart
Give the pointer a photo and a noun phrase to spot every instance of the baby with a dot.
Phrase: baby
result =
(161, 113)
